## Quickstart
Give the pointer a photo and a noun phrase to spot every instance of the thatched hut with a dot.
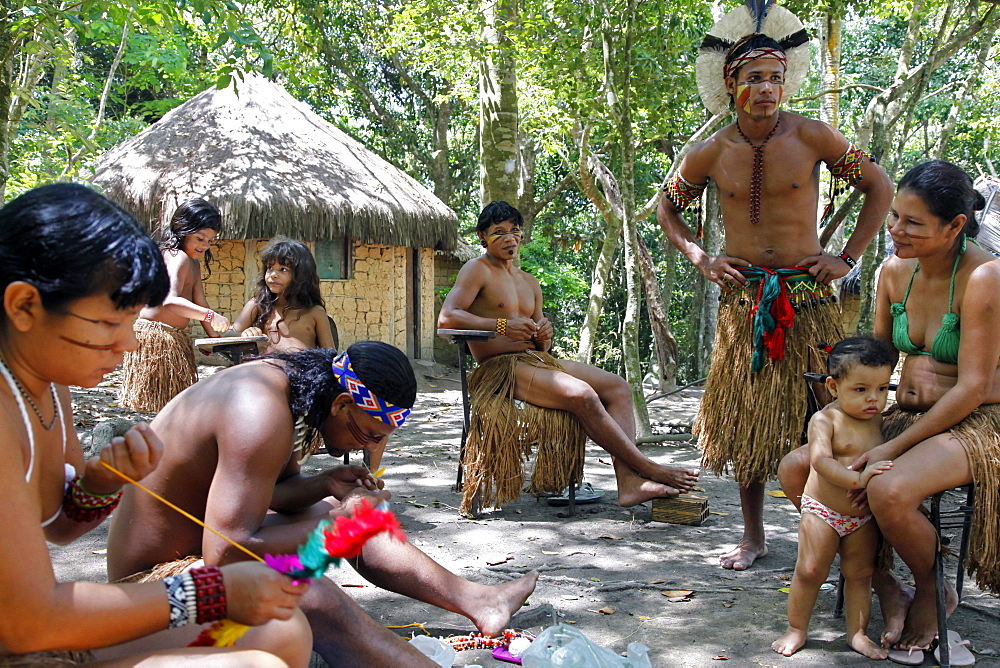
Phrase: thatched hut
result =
(273, 166)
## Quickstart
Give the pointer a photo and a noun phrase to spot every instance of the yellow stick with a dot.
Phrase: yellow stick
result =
(180, 510)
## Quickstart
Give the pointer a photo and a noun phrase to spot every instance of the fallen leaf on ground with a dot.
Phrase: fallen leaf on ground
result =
(784, 590)
(104, 551)
(611, 537)
(607, 611)
(697, 489)
(352, 585)
(721, 657)
(502, 561)
(678, 593)
(570, 597)
(727, 605)
(715, 512)
(595, 579)
(656, 582)
(643, 617)
(778, 494)
(544, 552)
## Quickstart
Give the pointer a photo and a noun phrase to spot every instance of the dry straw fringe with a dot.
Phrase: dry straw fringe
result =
(162, 367)
(748, 421)
(161, 571)
(502, 435)
(979, 434)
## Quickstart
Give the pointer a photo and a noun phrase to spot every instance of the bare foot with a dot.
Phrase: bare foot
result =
(680, 479)
(743, 555)
(921, 620)
(493, 612)
(633, 488)
(862, 644)
(894, 598)
(791, 642)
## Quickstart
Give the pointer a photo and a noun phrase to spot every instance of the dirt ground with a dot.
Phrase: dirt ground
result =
(610, 571)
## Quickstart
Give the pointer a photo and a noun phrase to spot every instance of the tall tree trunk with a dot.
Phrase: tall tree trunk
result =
(630, 324)
(665, 344)
(6, 77)
(500, 164)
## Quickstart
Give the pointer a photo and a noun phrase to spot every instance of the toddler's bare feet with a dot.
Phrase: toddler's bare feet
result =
(862, 644)
(791, 642)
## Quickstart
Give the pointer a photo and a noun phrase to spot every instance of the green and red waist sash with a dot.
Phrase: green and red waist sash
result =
(780, 294)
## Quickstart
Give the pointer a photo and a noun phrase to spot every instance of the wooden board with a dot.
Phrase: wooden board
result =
(227, 340)
(684, 509)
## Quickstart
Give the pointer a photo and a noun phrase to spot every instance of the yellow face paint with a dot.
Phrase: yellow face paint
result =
(496, 236)
(743, 96)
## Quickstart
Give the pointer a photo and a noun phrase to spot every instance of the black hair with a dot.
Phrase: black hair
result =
(190, 217)
(70, 242)
(301, 293)
(383, 369)
(498, 211)
(947, 190)
(863, 350)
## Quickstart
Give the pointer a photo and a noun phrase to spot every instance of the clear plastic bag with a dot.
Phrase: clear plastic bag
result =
(563, 646)
(435, 649)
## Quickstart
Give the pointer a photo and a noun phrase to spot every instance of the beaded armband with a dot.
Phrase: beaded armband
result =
(81, 506)
(848, 167)
(209, 316)
(850, 261)
(209, 594)
(682, 192)
(181, 597)
(501, 326)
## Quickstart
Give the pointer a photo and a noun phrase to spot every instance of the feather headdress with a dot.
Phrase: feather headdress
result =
(756, 16)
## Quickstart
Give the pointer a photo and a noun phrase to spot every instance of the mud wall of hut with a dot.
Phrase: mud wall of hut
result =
(370, 304)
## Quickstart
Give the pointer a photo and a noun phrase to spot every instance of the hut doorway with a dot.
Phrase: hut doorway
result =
(413, 292)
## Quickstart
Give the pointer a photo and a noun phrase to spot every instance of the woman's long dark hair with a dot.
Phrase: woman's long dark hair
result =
(191, 216)
(301, 293)
(71, 242)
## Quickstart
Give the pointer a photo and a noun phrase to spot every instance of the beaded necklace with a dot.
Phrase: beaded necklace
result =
(31, 402)
(757, 175)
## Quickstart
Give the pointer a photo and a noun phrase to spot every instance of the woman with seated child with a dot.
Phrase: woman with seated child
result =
(859, 370)
(287, 306)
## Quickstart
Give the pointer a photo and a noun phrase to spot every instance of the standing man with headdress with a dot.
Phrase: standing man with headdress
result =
(776, 302)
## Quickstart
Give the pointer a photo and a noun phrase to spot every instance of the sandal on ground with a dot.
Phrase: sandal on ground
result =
(585, 493)
(908, 657)
(958, 650)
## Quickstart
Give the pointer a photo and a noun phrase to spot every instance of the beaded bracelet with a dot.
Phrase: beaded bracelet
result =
(501, 326)
(181, 596)
(476, 640)
(81, 506)
(848, 259)
(210, 594)
(208, 316)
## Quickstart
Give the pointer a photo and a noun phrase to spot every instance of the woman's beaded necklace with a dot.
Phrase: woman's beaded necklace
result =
(31, 402)
(757, 174)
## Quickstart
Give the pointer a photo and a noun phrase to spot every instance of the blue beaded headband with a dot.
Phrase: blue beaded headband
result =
(381, 410)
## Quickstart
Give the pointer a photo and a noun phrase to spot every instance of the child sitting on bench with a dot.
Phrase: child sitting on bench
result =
(858, 370)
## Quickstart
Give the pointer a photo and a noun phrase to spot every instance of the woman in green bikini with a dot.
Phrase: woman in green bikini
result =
(938, 301)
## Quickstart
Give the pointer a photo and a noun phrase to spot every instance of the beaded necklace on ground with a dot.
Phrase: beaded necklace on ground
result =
(757, 174)
(31, 402)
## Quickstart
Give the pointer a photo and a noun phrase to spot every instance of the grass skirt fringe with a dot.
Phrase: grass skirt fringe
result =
(162, 367)
(748, 421)
(979, 434)
(36, 659)
(503, 433)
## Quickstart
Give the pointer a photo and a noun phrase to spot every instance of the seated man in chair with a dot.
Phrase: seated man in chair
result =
(491, 293)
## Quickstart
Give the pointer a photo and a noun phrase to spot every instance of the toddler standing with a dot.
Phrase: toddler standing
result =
(859, 371)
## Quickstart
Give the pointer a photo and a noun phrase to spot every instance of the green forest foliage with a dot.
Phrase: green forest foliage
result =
(402, 77)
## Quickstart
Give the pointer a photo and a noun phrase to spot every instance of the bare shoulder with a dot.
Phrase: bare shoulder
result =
(984, 280)
(528, 278)
(178, 262)
(829, 142)
(699, 163)
(896, 269)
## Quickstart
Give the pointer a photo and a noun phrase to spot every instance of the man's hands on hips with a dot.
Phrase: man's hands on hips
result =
(722, 271)
(825, 267)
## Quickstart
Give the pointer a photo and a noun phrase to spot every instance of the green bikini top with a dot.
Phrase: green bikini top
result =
(944, 348)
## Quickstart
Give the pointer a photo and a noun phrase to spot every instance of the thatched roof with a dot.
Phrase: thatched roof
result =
(272, 166)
